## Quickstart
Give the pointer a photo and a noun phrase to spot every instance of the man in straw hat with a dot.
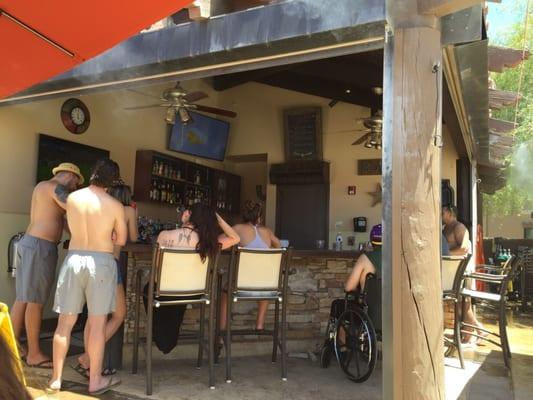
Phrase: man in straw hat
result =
(37, 251)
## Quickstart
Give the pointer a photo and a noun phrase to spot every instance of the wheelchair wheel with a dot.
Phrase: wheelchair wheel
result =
(355, 344)
(325, 353)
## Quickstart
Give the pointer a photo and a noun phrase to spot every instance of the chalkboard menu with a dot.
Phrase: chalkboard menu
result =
(303, 133)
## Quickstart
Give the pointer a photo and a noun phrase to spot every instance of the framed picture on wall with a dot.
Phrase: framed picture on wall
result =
(369, 167)
(303, 133)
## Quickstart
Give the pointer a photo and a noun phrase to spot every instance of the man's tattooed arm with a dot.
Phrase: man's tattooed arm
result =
(62, 193)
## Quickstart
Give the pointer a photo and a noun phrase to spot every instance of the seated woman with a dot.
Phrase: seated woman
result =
(367, 263)
(253, 236)
(122, 193)
(199, 230)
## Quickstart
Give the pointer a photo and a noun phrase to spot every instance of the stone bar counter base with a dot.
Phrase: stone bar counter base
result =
(315, 282)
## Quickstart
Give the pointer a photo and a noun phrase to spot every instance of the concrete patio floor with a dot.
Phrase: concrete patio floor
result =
(255, 377)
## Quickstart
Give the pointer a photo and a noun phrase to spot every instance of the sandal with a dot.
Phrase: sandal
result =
(40, 365)
(113, 381)
(84, 372)
(109, 371)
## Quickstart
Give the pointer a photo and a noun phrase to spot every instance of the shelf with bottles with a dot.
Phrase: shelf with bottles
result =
(168, 169)
(196, 194)
(164, 192)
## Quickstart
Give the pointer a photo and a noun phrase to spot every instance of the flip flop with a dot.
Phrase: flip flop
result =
(39, 365)
(109, 371)
(113, 381)
(84, 372)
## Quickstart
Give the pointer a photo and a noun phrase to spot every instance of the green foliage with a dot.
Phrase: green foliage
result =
(517, 195)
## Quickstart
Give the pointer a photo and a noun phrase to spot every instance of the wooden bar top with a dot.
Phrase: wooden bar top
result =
(319, 253)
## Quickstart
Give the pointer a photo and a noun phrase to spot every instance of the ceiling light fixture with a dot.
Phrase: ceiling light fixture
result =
(348, 91)
(171, 115)
(185, 117)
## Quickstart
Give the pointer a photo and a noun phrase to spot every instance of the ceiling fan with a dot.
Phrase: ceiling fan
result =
(372, 137)
(179, 102)
(373, 131)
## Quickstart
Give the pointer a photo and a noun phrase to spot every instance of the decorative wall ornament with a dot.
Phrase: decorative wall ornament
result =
(376, 195)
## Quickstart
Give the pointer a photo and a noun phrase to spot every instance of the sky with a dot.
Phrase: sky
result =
(502, 16)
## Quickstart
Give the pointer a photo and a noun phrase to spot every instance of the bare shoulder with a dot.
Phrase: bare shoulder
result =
(129, 211)
(459, 228)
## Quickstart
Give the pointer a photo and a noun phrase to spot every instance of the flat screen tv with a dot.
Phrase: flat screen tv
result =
(203, 137)
(53, 151)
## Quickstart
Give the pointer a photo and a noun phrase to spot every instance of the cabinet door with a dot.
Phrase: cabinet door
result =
(234, 194)
(302, 214)
(143, 175)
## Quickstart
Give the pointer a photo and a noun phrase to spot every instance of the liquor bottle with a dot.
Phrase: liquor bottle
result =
(157, 193)
(197, 178)
(155, 168)
(178, 174)
(161, 167)
(163, 193)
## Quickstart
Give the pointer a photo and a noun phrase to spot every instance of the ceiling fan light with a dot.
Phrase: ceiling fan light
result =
(373, 139)
(185, 117)
(368, 145)
(171, 115)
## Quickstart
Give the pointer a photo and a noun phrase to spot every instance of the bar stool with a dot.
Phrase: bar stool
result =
(259, 274)
(180, 274)
(452, 271)
(500, 276)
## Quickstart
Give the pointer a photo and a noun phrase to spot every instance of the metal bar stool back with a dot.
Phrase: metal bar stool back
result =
(259, 274)
(452, 271)
(177, 277)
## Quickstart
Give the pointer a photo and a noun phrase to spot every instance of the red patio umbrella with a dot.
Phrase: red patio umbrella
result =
(41, 39)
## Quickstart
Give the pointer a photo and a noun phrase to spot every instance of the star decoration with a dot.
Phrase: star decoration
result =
(376, 195)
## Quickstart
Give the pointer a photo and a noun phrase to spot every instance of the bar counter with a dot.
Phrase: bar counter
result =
(317, 277)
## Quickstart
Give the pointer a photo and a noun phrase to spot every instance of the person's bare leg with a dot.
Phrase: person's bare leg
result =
(96, 347)
(117, 318)
(33, 317)
(223, 310)
(65, 323)
(368, 269)
(470, 318)
(83, 359)
(262, 307)
(17, 319)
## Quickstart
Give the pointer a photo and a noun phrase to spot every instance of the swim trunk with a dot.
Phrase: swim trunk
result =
(119, 274)
(86, 276)
(36, 269)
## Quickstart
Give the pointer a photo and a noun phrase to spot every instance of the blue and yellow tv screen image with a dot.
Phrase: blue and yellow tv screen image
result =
(203, 137)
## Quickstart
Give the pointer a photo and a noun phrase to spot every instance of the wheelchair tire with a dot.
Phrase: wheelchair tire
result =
(325, 354)
(355, 344)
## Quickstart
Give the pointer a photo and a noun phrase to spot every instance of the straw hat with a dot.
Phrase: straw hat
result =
(69, 167)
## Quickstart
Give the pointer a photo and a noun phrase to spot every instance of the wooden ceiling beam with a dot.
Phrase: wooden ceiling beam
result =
(225, 82)
(362, 75)
(505, 57)
(499, 99)
(440, 8)
(325, 88)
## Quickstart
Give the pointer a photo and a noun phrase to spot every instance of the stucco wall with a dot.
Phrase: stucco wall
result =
(257, 129)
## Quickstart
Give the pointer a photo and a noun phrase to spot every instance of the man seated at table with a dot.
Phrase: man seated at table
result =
(459, 244)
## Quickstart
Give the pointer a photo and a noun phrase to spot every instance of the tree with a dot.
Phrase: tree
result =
(517, 195)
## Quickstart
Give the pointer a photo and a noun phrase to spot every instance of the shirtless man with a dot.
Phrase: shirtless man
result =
(458, 240)
(89, 272)
(38, 257)
(455, 232)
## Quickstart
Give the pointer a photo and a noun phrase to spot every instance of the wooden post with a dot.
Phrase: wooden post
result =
(412, 297)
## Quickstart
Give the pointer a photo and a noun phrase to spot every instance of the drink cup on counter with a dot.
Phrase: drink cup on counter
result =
(284, 243)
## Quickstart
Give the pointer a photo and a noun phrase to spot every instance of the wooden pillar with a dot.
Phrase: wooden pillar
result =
(413, 360)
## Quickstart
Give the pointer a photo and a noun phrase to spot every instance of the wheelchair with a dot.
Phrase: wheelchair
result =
(351, 335)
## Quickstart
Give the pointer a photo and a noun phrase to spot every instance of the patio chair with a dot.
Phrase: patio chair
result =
(181, 275)
(500, 277)
(452, 271)
(259, 274)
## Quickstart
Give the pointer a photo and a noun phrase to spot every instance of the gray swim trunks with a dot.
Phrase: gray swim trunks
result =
(86, 276)
(37, 269)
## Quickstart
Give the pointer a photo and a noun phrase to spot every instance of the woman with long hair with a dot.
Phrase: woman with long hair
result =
(252, 236)
(200, 230)
(11, 382)
(122, 193)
